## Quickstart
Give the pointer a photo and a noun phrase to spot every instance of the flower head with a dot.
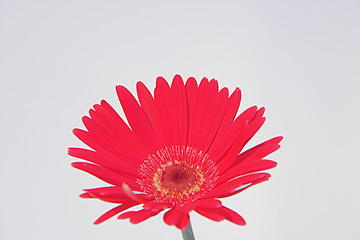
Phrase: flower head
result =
(180, 151)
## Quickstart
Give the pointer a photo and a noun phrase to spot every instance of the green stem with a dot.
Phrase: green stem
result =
(188, 234)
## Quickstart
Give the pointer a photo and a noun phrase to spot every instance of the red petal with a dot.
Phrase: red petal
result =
(261, 153)
(126, 215)
(191, 90)
(198, 110)
(138, 216)
(219, 214)
(242, 188)
(178, 112)
(121, 133)
(225, 136)
(148, 104)
(172, 216)
(258, 152)
(117, 119)
(211, 213)
(232, 106)
(233, 217)
(233, 185)
(230, 156)
(183, 222)
(105, 174)
(227, 145)
(87, 138)
(104, 159)
(162, 94)
(86, 195)
(171, 105)
(208, 203)
(114, 195)
(188, 208)
(130, 194)
(137, 119)
(213, 84)
(259, 113)
(214, 118)
(122, 127)
(245, 168)
(254, 126)
(110, 143)
(155, 206)
(192, 95)
(142, 215)
(113, 212)
(108, 194)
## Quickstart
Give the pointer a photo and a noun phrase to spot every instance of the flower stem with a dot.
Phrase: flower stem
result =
(188, 234)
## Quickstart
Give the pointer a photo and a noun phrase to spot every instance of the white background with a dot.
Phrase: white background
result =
(299, 59)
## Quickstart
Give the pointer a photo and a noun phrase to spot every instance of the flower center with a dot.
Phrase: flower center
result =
(177, 175)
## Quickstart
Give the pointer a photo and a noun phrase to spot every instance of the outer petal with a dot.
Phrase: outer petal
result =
(172, 109)
(175, 216)
(86, 138)
(242, 139)
(138, 216)
(155, 206)
(233, 216)
(183, 221)
(114, 211)
(236, 184)
(250, 160)
(109, 142)
(208, 203)
(219, 214)
(225, 135)
(198, 110)
(191, 88)
(245, 168)
(114, 194)
(161, 101)
(120, 132)
(230, 134)
(214, 118)
(242, 188)
(148, 104)
(259, 151)
(104, 159)
(127, 190)
(142, 215)
(211, 213)
(178, 111)
(172, 216)
(123, 128)
(137, 119)
(105, 174)
(192, 95)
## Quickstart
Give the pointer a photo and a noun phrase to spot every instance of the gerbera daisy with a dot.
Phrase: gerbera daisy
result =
(181, 151)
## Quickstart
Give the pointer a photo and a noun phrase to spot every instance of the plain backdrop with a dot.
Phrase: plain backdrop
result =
(299, 59)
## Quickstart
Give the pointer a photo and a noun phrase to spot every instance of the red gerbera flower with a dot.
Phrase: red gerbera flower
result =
(179, 153)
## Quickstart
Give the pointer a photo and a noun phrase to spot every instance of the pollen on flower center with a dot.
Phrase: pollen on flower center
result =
(177, 175)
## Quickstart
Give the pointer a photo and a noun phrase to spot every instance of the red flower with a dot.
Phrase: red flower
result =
(179, 153)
